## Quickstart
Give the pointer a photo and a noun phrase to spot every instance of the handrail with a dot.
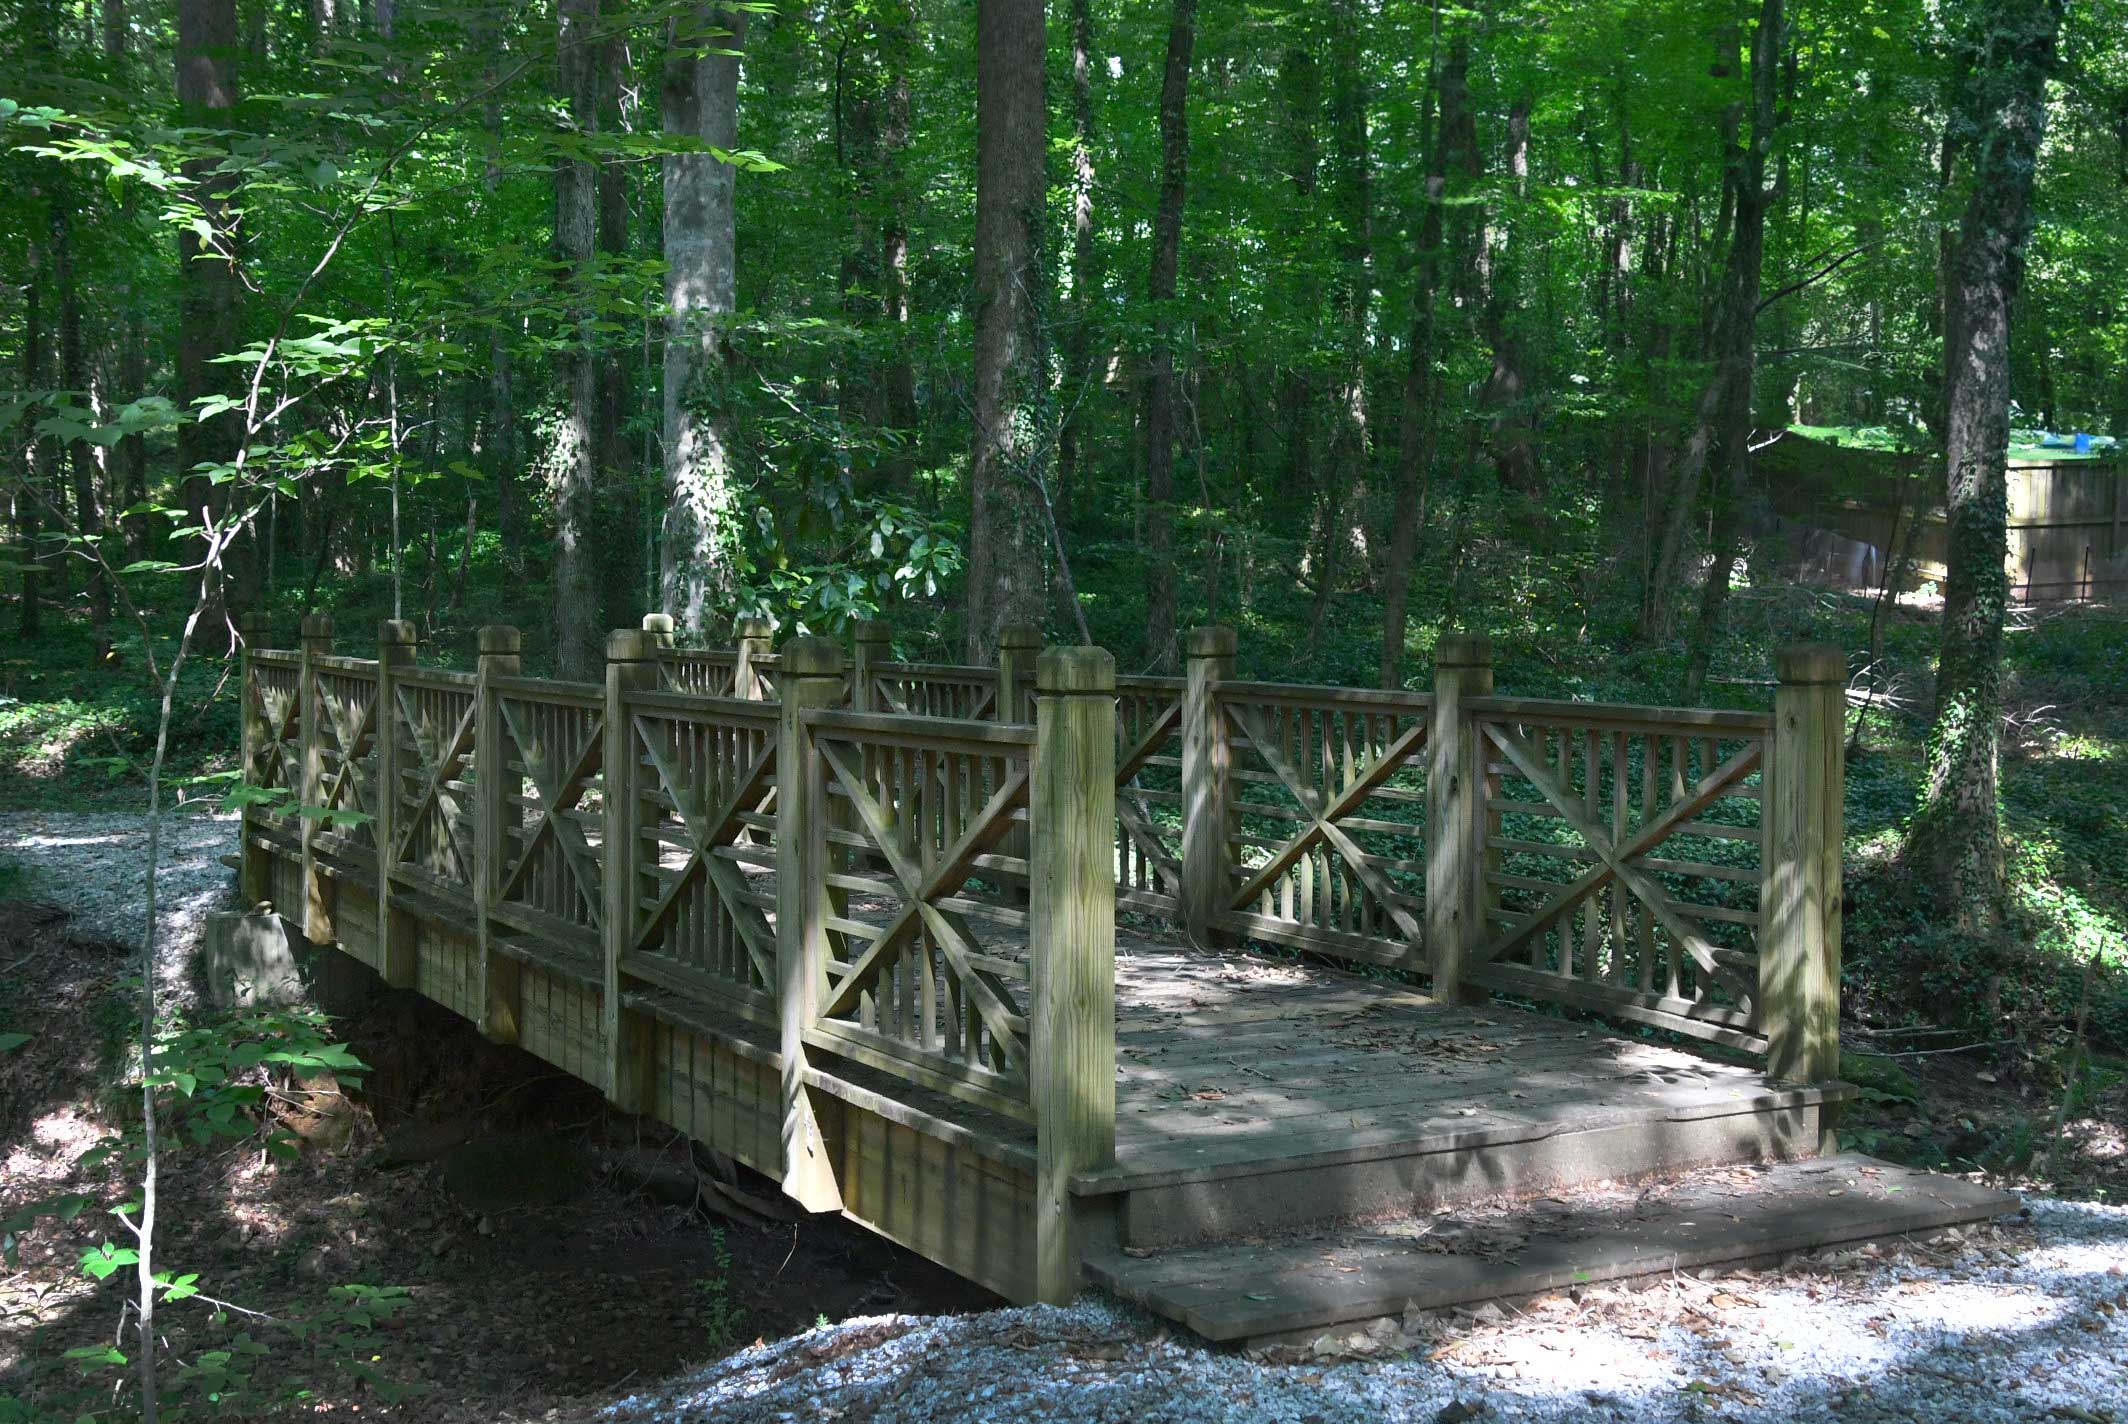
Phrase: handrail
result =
(1670, 866)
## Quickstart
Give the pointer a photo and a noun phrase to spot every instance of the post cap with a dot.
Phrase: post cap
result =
(631, 645)
(1215, 641)
(317, 625)
(500, 639)
(1019, 635)
(811, 655)
(1463, 650)
(1811, 663)
(871, 630)
(247, 623)
(657, 622)
(753, 625)
(1080, 669)
(397, 631)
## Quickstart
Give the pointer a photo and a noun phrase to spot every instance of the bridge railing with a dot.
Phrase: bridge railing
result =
(913, 870)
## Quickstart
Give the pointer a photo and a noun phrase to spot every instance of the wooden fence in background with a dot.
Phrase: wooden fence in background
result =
(739, 887)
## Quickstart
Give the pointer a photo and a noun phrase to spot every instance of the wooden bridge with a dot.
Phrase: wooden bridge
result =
(966, 953)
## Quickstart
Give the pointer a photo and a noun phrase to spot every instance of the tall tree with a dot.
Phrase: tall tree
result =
(1954, 842)
(701, 104)
(1005, 545)
(1448, 103)
(1741, 284)
(207, 312)
(896, 25)
(1085, 255)
(27, 495)
(619, 507)
(578, 635)
(74, 375)
(1722, 419)
(130, 457)
(1160, 373)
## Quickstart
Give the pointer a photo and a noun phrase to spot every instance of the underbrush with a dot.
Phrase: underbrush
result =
(76, 732)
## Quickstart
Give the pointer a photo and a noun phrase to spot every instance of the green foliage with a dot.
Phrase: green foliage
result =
(722, 1318)
(236, 1365)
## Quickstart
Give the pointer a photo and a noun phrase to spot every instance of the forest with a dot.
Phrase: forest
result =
(1352, 325)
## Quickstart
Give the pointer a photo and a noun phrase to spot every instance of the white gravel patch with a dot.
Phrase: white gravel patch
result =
(95, 864)
(2010, 1324)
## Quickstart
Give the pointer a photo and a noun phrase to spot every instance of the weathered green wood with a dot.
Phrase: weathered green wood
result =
(1455, 786)
(1799, 952)
(255, 864)
(1207, 859)
(631, 667)
(755, 638)
(318, 887)
(397, 642)
(1072, 808)
(812, 672)
(501, 987)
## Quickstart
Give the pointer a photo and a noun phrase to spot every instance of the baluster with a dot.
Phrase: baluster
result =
(396, 959)
(319, 886)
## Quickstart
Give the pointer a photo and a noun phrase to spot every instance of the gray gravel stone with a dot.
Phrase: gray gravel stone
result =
(2030, 1326)
(95, 864)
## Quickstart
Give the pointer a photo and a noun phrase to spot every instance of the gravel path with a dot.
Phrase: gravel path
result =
(2017, 1322)
(95, 865)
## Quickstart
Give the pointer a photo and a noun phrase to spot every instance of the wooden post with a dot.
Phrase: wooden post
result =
(812, 678)
(1207, 859)
(317, 885)
(1072, 948)
(1799, 954)
(255, 873)
(631, 666)
(756, 638)
(1019, 644)
(396, 959)
(493, 819)
(874, 644)
(1455, 798)
(659, 626)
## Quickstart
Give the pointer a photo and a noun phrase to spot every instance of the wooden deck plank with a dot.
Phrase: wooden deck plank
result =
(1244, 1290)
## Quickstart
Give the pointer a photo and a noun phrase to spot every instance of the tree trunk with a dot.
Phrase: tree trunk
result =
(579, 649)
(74, 376)
(701, 101)
(619, 505)
(1954, 842)
(1352, 194)
(1160, 372)
(1505, 395)
(1080, 384)
(26, 497)
(896, 22)
(1740, 286)
(1005, 523)
(130, 461)
(1417, 428)
(1724, 405)
(498, 446)
(207, 308)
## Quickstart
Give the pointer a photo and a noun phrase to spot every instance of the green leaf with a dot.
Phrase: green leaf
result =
(9, 1042)
(101, 1261)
